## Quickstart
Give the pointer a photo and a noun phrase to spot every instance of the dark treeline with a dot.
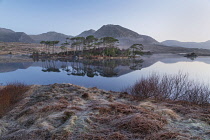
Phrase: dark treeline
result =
(48, 45)
(90, 46)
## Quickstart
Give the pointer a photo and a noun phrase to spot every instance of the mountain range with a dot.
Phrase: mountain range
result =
(125, 36)
(7, 35)
(202, 45)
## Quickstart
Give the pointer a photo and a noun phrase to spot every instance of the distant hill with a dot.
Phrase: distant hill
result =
(7, 35)
(50, 36)
(125, 36)
(87, 33)
(3, 30)
(203, 45)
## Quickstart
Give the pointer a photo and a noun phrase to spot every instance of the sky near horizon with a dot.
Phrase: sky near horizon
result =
(183, 20)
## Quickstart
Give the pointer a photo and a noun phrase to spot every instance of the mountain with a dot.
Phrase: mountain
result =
(50, 36)
(203, 45)
(7, 35)
(115, 31)
(125, 36)
(87, 33)
(3, 30)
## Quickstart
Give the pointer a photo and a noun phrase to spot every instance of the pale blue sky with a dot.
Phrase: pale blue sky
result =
(184, 20)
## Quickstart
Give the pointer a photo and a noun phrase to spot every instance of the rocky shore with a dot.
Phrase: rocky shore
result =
(70, 112)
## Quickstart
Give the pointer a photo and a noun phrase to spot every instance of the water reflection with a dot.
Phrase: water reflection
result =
(104, 74)
(91, 68)
(49, 66)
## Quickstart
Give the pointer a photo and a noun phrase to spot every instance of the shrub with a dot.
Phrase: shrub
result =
(174, 87)
(11, 94)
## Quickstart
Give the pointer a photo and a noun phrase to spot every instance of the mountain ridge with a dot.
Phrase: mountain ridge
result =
(86, 33)
(202, 45)
(7, 35)
(50, 36)
(126, 36)
(6, 30)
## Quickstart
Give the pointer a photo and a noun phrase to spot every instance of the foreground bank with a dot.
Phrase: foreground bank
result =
(66, 111)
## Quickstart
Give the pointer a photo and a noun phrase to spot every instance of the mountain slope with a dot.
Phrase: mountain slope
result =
(115, 31)
(87, 33)
(50, 36)
(125, 36)
(203, 45)
(7, 35)
(4, 30)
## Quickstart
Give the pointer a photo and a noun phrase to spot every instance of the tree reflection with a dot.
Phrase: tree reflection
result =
(92, 68)
(136, 64)
(49, 66)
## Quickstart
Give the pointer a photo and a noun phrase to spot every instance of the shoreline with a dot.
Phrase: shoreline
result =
(7, 58)
(25, 58)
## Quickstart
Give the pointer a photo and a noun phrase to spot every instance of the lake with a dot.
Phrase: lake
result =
(104, 74)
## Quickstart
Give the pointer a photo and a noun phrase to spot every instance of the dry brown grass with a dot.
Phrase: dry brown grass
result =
(86, 96)
(117, 136)
(76, 108)
(64, 101)
(164, 136)
(100, 119)
(90, 137)
(169, 113)
(117, 109)
(10, 95)
(148, 105)
(103, 135)
(190, 110)
(140, 124)
(58, 107)
(127, 121)
(61, 135)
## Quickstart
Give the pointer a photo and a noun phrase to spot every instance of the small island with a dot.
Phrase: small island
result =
(87, 48)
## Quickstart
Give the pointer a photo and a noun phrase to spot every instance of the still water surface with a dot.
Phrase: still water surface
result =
(104, 74)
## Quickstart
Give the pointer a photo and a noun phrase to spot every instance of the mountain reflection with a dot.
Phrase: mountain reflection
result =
(91, 68)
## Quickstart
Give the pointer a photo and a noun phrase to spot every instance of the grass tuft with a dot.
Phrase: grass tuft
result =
(164, 136)
(138, 123)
